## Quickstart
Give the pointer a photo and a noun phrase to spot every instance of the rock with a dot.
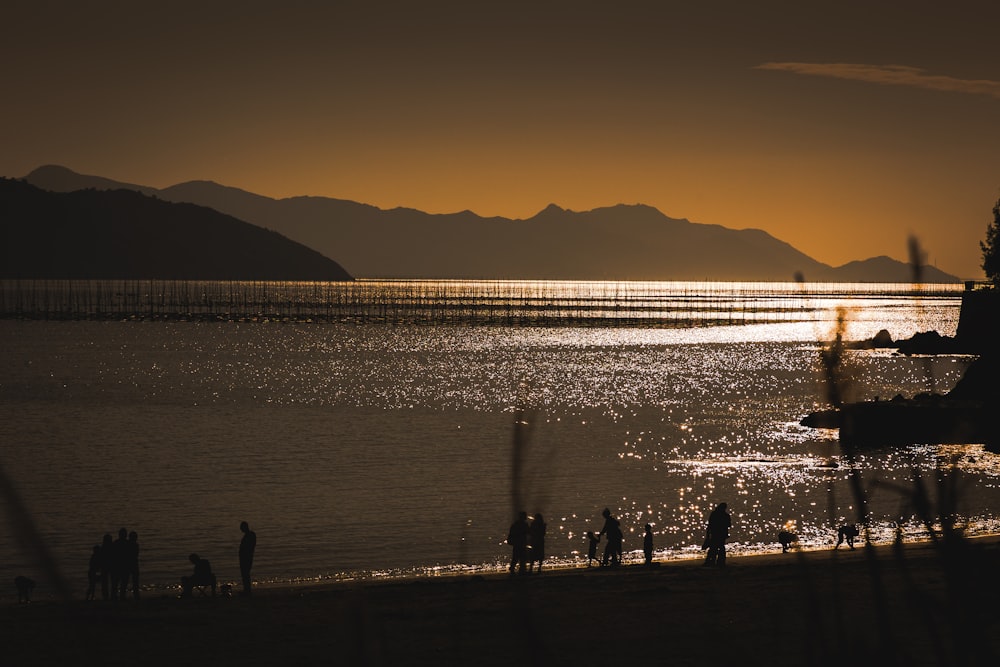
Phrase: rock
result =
(883, 339)
(930, 342)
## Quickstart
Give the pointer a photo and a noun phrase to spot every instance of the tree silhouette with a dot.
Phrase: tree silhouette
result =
(991, 247)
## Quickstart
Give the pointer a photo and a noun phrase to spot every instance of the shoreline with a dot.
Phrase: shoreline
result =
(677, 559)
(923, 603)
(553, 567)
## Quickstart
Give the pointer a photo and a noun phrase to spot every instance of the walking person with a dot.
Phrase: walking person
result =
(716, 534)
(613, 532)
(247, 546)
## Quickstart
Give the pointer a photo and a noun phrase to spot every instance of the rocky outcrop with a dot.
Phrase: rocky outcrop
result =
(966, 414)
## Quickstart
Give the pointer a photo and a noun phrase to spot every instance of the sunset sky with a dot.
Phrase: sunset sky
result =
(839, 127)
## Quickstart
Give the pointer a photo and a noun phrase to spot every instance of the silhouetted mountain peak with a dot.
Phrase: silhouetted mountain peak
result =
(195, 191)
(57, 178)
(201, 183)
(638, 213)
(886, 269)
(552, 210)
(51, 171)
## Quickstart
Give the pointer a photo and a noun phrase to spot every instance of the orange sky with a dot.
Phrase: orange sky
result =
(841, 132)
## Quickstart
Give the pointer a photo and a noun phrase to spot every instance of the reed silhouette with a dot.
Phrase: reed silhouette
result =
(937, 510)
(26, 532)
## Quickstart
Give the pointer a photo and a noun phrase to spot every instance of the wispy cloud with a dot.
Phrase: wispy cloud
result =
(893, 75)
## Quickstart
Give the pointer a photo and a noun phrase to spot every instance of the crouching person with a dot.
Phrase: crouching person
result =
(202, 576)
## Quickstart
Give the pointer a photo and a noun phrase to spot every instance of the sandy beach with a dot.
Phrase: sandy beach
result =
(917, 604)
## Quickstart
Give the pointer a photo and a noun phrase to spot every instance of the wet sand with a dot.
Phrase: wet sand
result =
(919, 604)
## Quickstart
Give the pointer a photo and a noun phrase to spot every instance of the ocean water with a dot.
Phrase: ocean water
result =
(360, 450)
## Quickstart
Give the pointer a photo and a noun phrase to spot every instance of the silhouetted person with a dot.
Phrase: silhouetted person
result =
(847, 534)
(107, 557)
(785, 539)
(119, 565)
(536, 542)
(592, 547)
(716, 535)
(93, 572)
(616, 538)
(612, 530)
(202, 576)
(24, 588)
(647, 545)
(247, 545)
(517, 538)
(132, 565)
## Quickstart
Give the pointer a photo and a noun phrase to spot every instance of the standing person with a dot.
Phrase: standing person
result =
(247, 546)
(107, 563)
(132, 571)
(517, 538)
(119, 565)
(536, 542)
(616, 539)
(93, 571)
(716, 535)
(613, 532)
(592, 547)
(647, 545)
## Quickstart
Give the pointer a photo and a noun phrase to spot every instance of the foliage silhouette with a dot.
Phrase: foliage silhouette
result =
(991, 248)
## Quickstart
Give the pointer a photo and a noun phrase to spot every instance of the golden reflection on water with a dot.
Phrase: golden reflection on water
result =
(401, 435)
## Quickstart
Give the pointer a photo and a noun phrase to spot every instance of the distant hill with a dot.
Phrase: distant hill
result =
(119, 234)
(624, 242)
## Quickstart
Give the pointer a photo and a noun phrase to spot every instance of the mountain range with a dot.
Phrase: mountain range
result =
(623, 242)
(123, 234)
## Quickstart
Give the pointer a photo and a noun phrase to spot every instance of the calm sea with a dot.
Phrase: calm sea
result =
(374, 449)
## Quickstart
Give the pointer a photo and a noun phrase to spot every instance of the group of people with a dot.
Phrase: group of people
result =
(615, 542)
(114, 564)
(202, 576)
(527, 541)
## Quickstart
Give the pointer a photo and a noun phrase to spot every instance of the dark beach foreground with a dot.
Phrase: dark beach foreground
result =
(924, 603)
